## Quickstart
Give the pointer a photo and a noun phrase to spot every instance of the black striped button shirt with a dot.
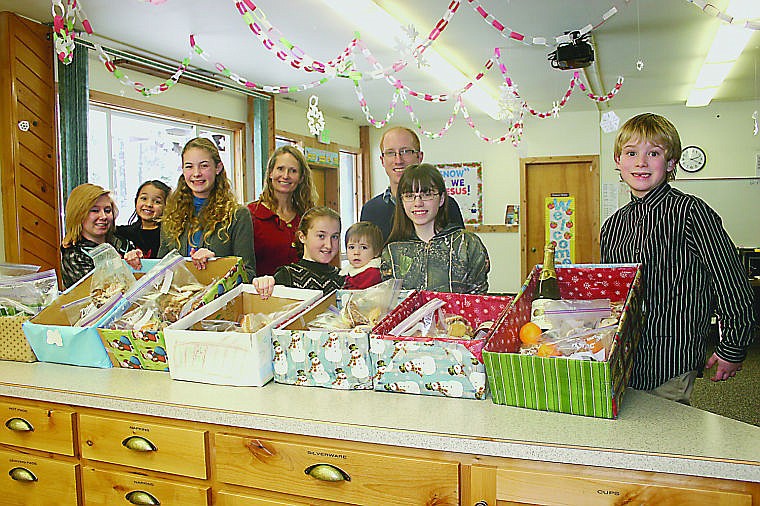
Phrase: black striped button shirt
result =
(691, 271)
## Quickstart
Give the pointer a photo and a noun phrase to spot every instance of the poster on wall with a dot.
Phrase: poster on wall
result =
(560, 226)
(464, 183)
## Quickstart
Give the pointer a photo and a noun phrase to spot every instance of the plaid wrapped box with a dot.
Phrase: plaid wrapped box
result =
(566, 385)
(446, 367)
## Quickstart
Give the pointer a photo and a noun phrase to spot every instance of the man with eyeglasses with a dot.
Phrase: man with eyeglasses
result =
(399, 148)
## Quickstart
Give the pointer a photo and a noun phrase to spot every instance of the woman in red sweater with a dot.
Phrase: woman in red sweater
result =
(288, 192)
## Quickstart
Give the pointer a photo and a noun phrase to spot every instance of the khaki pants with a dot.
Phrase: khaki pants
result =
(677, 389)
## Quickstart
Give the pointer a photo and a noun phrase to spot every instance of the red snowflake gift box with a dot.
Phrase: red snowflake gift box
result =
(448, 367)
(568, 385)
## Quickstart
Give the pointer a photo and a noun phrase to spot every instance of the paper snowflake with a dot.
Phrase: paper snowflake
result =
(408, 47)
(509, 103)
(315, 117)
(610, 122)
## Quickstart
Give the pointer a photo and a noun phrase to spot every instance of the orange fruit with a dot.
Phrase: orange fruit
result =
(530, 333)
(547, 350)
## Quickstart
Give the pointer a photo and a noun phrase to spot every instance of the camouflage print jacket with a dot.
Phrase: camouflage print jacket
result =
(453, 261)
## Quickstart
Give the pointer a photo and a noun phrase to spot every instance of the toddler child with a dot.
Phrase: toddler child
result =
(319, 233)
(364, 242)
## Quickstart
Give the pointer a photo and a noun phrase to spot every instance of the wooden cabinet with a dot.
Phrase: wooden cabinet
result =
(43, 427)
(313, 469)
(508, 481)
(144, 445)
(187, 463)
(32, 480)
(106, 488)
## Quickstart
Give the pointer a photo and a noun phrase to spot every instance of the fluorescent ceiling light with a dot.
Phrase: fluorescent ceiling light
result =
(726, 48)
(370, 18)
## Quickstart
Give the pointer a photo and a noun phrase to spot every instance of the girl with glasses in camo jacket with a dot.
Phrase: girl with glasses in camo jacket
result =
(423, 249)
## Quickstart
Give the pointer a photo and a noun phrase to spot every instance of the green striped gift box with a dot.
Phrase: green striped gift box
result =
(564, 385)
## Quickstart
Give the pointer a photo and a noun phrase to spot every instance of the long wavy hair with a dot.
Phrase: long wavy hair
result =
(158, 185)
(78, 205)
(304, 196)
(421, 177)
(216, 215)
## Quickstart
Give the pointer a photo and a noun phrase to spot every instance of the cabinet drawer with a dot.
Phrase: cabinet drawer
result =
(226, 498)
(108, 488)
(552, 488)
(144, 445)
(26, 479)
(361, 477)
(38, 428)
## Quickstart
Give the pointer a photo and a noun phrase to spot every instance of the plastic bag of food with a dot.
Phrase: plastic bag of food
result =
(253, 322)
(168, 286)
(27, 293)
(588, 344)
(13, 270)
(570, 314)
(111, 274)
(370, 305)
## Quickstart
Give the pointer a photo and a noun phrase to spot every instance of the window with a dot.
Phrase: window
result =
(126, 148)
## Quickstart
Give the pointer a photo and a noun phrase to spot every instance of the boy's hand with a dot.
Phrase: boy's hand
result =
(725, 369)
(264, 285)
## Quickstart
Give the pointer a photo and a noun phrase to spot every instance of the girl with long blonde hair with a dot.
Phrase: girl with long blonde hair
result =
(202, 219)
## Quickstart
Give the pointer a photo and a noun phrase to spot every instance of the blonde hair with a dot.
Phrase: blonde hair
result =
(415, 137)
(305, 195)
(216, 215)
(78, 205)
(653, 128)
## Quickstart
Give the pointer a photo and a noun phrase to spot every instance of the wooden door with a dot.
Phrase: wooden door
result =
(31, 217)
(577, 176)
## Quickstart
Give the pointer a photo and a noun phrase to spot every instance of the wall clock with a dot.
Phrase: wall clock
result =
(693, 159)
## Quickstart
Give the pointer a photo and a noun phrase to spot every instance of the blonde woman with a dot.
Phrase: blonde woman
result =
(202, 219)
(90, 221)
(288, 193)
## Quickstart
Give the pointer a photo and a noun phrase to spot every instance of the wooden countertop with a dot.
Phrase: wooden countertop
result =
(651, 434)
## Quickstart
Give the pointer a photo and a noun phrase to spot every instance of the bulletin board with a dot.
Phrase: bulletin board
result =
(464, 183)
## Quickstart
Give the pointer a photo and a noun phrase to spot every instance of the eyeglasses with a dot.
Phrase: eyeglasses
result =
(424, 196)
(401, 152)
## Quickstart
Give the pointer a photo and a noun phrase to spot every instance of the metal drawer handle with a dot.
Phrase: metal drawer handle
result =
(19, 425)
(139, 444)
(327, 472)
(22, 474)
(481, 503)
(141, 497)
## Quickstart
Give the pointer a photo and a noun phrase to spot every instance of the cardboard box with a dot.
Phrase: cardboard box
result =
(330, 358)
(429, 366)
(560, 384)
(231, 358)
(53, 339)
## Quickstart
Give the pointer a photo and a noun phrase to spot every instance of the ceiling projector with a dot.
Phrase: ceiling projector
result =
(572, 55)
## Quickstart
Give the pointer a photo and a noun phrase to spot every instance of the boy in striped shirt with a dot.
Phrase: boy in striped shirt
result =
(691, 268)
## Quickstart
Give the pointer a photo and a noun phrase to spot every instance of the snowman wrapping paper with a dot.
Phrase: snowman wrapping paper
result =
(445, 367)
(322, 358)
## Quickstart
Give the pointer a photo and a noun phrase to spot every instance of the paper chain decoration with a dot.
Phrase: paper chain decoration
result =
(709, 8)
(343, 66)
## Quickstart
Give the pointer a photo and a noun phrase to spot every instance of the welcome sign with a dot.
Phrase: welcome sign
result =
(560, 227)
(464, 183)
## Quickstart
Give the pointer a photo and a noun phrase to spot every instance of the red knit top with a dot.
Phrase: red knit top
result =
(274, 240)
